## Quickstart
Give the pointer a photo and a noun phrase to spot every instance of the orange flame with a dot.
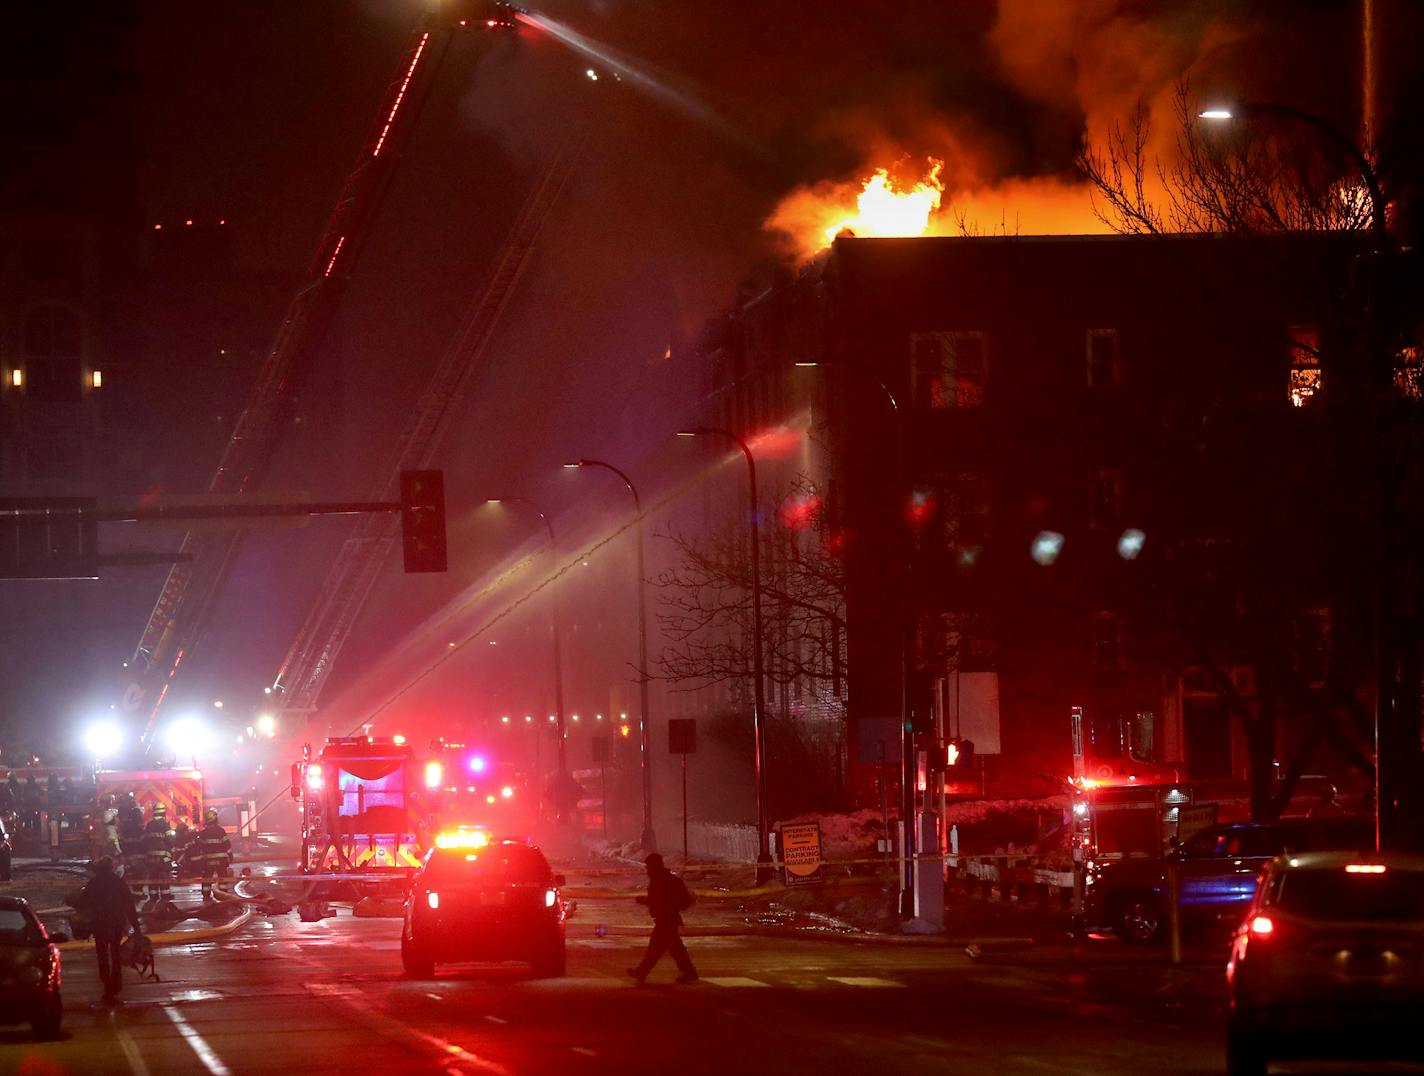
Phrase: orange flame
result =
(810, 218)
(883, 209)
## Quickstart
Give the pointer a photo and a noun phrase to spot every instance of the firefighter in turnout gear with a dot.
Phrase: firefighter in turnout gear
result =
(131, 837)
(158, 853)
(108, 835)
(214, 851)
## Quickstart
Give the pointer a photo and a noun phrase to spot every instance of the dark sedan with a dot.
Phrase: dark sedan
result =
(29, 970)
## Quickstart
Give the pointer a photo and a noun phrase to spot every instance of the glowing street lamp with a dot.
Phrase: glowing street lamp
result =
(1248, 110)
(764, 872)
(649, 840)
(267, 725)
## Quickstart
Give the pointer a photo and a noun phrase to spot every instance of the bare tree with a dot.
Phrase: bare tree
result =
(705, 601)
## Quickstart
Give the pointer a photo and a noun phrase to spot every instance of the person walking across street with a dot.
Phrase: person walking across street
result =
(213, 850)
(110, 906)
(666, 900)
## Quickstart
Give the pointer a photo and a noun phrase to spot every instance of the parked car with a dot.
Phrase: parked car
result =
(1217, 872)
(483, 899)
(1329, 962)
(29, 969)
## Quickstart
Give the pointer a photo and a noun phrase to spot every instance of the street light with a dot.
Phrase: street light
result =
(649, 840)
(1385, 686)
(558, 714)
(907, 754)
(763, 874)
(1247, 110)
(187, 738)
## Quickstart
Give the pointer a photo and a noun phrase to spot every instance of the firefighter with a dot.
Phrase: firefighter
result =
(158, 853)
(131, 836)
(108, 835)
(182, 838)
(214, 851)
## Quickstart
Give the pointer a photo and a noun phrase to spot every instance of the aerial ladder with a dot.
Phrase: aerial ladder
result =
(205, 558)
(353, 574)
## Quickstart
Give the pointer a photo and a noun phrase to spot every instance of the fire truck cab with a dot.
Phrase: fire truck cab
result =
(363, 807)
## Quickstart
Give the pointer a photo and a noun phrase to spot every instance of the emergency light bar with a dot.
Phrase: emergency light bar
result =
(1365, 868)
(462, 838)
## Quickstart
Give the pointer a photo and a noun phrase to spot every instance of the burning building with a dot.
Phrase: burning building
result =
(1064, 471)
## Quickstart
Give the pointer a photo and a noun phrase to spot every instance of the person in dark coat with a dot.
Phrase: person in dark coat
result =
(214, 851)
(667, 898)
(110, 907)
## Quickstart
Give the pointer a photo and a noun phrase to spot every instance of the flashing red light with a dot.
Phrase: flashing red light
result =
(491, 23)
(921, 507)
(315, 778)
(624, 730)
(433, 899)
(507, 791)
(434, 775)
(1262, 927)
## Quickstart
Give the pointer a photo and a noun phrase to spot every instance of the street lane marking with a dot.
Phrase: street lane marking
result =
(495, 1019)
(436, 997)
(583, 1050)
(863, 980)
(129, 1047)
(732, 980)
(200, 1047)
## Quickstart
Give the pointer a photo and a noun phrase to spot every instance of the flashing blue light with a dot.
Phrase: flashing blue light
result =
(477, 763)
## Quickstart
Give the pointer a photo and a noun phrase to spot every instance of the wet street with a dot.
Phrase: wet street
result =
(279, 995)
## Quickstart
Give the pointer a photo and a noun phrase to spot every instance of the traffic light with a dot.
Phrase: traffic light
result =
(422, 500)
(958, 754)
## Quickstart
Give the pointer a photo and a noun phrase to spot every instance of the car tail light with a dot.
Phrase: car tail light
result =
(433, 899)
(550, 896)
(1262, 926)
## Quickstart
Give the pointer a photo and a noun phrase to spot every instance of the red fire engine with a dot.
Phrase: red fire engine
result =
(365, 809)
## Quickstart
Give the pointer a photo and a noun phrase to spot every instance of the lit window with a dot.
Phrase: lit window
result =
(17, 378)
(1409, 373)
(1305, 379)
(950, 369)
(96, 378)
(1102, 358)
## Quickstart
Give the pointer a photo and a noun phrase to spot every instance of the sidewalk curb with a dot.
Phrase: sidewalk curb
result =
(171, 937)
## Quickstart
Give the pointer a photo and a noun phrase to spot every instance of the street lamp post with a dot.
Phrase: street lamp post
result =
(1248, 109)
(763, 874)
(1385, 732)
(649, 840)
(558, 646)
(907, 761)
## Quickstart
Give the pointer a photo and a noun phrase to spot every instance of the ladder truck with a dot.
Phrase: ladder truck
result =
(178, 617)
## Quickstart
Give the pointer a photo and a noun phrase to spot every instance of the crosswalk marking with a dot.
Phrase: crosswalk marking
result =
(732, 980)
(863, 980)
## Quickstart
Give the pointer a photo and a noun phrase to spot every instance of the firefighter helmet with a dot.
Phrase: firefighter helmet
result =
(210, 815)
(160, 809)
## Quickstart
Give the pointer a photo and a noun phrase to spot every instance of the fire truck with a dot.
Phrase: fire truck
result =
(366, 807)
(1129, 812)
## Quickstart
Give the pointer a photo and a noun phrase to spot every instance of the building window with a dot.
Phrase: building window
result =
(966, 514)
(1408, 369)
(1305, 379)
(950, 369)
(1106, 641)
(1103, 369)
(1105, 504)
